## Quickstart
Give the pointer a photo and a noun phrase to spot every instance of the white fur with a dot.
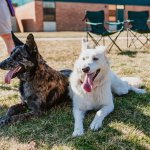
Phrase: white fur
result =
(100, 98)
(123, 85)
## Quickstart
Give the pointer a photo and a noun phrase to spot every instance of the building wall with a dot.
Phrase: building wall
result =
(30, 16)
(69, 16)
(39, 15)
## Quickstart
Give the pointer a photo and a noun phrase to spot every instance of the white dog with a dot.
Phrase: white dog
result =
(91, 86)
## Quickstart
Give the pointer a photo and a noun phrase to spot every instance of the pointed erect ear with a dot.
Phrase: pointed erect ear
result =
(16, 41)
(102, 49)
(31, 43)
(84, 43)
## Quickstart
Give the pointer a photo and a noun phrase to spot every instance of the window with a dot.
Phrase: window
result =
(49, 11)
(112, 12)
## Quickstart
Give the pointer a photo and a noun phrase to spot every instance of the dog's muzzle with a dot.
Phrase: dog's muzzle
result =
(86, 69)
(4, 64)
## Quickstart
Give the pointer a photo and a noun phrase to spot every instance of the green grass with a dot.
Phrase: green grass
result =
(127, 128)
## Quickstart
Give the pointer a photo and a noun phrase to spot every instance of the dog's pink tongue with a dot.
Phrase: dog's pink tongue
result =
(88, 83)
(10, 74)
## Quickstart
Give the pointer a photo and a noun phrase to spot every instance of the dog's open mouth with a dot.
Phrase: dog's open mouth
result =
(88, 80)
(13, 73)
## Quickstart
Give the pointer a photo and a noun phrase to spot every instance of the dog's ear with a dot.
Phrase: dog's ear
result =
(16, 41)
(102, 49)
(31, 43)
(84, 44)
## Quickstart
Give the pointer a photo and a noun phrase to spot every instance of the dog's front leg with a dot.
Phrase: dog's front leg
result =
(25, 116)
(19, 117)
(16, 109)
(100, 115)
(13, 110)
(78, 125)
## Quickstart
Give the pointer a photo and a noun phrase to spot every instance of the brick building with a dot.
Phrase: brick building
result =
(38, 15)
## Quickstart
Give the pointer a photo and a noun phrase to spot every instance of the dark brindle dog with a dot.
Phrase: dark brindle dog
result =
(41, 87)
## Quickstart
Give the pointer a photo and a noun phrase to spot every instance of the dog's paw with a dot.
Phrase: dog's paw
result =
(77, 132)
(141, 91)
(4, 121)
(96, 124)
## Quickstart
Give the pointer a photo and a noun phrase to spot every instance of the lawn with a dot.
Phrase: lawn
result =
(127, 128)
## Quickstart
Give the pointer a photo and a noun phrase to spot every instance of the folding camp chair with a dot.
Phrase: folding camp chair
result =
(137, 28)
(96, 21)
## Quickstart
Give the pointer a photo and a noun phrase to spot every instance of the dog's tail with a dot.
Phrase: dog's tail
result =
(66, 72)
(133, 81)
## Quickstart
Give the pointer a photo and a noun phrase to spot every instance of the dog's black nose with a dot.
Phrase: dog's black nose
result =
(1, 65)
(86, 69)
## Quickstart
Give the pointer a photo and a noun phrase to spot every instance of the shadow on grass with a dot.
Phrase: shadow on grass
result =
(129, 109)
(55, 128)
(128, 53)
(9, 88)
(133, 53)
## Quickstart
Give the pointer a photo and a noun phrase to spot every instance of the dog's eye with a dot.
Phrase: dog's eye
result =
(11, 53)
(95, 59)
(19, 56)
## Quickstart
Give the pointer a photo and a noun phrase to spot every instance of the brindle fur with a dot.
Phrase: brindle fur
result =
(41, 87)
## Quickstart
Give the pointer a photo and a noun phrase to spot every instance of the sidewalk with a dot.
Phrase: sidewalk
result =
(70, 38)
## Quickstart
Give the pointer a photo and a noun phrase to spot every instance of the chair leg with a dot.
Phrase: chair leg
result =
(127, 38)
(92, 38)
(87, 37)
(132, 36)
(137, 38)
(103, 40)
(133, 40)
(148, 43)
(113, 42)
(99, 40)
(95, 42)
(110, 46)
(147, 40)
